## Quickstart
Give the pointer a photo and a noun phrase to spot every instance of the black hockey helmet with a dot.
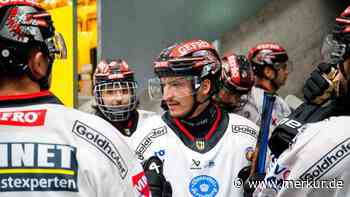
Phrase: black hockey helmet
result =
(24, 25)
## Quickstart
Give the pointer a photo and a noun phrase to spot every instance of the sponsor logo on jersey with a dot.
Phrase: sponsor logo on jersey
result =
(278, 174)
(160, 154)
(103, 144)
(38, 167)
(148, 140)
(203, 185)
(244, 129)
(139, 182)
(328, 161)
(23, 118)
(209, 164)
(196, 165)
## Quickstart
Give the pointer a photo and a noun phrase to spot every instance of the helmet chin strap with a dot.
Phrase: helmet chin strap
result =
(193, 108)
(196, 103)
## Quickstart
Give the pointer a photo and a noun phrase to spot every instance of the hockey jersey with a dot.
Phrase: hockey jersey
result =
(200, 167)
(50, 150)
(317, 164)
(143, 116)
(253, 108)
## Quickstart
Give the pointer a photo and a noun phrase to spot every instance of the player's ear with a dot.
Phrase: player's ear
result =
(269, 72)
(38, 63)
(205, 86)
(204, 90)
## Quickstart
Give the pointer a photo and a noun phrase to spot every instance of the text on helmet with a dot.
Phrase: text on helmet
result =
(233, 66)
(191, 46)
(269, 46)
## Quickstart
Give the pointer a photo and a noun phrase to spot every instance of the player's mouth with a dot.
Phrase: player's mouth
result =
(173, 105)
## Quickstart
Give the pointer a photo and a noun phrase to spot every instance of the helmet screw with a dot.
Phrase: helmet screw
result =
(5, 53)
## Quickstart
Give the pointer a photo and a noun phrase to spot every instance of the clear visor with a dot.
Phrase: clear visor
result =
(116, 99)
(57, 46)
(332, 51)
(172, 87)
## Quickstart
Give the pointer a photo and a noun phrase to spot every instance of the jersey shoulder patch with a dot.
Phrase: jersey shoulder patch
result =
(242, 125)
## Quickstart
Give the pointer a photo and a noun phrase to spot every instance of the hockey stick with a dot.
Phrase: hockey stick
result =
(259, 158)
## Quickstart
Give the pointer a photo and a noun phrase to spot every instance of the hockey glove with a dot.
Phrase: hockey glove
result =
(319, 87)
(283, 135)
(243, 174)
(252, 183)
(159, 187)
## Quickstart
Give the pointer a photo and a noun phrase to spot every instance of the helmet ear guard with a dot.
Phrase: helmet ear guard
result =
(15, 56)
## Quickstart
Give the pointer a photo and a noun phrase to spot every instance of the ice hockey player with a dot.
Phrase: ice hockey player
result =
(115, 92)
(270, 64)
(195, 139)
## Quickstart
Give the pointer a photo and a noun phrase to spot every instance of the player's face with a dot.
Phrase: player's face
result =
(282, 76)
(229, 98)
(178, 95)
(116, 95)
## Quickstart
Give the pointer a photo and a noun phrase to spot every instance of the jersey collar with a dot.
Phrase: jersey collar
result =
(43, 97)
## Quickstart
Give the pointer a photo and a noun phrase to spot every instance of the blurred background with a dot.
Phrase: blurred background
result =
(137, 30)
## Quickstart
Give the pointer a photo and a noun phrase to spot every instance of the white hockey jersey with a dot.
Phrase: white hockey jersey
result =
(317, 164)
(210, 173)
(253, 109)
(143, 116)
(49, 150)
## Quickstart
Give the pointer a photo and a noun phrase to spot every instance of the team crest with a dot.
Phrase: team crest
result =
(200, 144)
